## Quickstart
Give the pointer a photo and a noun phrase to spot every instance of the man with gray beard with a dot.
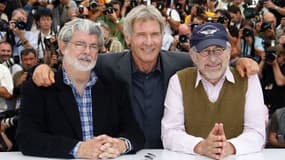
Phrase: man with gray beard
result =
(80, 116)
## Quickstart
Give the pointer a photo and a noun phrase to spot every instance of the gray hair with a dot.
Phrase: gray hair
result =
(142, 12)
(83, 25)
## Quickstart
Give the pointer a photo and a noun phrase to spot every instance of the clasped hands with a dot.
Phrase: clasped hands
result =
(215, 145)
(101, 147)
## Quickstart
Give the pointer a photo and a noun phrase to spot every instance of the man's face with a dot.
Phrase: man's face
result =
(212, 67)
(145, 41)
(80, 53)
(29, 61)
(19, 16)
(282, 21)
(5, 52)
(45, 23)
(2, 7)
(236, 17)
(64, 2)
(117, 9)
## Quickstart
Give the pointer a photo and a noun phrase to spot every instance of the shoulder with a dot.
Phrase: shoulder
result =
(175, 55)
(3, 68)
(179, 58)
(113, 56)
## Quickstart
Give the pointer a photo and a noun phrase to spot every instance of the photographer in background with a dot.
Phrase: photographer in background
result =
(181, 40)
(43, 18)
(29, 8)
(199, 8)
(62, 12)
(223, 17)
(13, 66)
(248, 44)
(3, 15)
(173, 18)
(277, 129)
(183, 7)
(236, 16)
(20, 38)
(277, 7)
(280, 28)
(111, 44)
(112, 17)
(274, 94)
(6, 58)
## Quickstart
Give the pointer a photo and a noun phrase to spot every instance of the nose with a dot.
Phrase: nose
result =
(148, 40)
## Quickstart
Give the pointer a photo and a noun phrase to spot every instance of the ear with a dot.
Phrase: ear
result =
(128, 40)
(61, 46)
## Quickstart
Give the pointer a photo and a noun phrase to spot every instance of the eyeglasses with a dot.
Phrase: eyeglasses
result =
(81, 46)
(215, 52)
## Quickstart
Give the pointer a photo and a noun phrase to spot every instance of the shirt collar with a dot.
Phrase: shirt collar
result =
(228, 76)
(156, 68)
(67, 81)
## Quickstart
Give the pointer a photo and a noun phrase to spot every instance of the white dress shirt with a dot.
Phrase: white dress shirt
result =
(6, 82)
(174, 136)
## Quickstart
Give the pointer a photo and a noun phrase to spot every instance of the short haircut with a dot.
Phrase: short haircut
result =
(42, 12)
(5, 42)
(142, 12)
(19, 10)
(234, 9)
(83, 25)
(26, 51)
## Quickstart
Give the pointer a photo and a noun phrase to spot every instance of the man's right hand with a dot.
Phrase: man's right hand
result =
(90, 149)
(43, 75)
(213, 145)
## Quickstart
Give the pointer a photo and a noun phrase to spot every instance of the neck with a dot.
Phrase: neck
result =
(145, 67)
(78, 78)
(45, 31)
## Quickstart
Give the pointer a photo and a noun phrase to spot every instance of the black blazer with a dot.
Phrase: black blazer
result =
(117, 67)
(49, 123)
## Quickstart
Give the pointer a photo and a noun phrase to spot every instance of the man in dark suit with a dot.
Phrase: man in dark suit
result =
(81, 115)
(144, 70)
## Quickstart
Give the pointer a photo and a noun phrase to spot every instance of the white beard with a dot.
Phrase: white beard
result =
(81, 63)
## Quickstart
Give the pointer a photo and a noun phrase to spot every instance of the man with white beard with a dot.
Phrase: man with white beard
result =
(78, 116)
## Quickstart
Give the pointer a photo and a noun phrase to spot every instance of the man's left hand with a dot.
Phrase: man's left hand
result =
(247, 66)
(112, 147)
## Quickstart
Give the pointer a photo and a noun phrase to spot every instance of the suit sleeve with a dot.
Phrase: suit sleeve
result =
(33, 135)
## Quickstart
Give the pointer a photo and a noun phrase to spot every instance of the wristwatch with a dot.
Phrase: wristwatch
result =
(117, 21)
(127, 144)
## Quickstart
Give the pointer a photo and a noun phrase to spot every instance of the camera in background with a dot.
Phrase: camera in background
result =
(247, 32)
(265, 26)
(11, 61)
(270, 50)
(222, 19)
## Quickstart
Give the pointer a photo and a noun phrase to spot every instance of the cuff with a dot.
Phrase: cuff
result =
(74, 151)
(128, 144)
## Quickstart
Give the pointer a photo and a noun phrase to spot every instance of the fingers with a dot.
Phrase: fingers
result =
(214, 130)
(89, 149)
(109, 151)
(112, 147)
(43, 76)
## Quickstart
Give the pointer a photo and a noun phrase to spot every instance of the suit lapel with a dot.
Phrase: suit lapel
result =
(124, 71)
(166, 64)
(69, 105)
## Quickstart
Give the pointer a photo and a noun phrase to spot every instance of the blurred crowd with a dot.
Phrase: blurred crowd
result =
(28, 30)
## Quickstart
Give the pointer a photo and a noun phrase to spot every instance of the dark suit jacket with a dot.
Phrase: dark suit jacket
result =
(49, 123)
(117, 67)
